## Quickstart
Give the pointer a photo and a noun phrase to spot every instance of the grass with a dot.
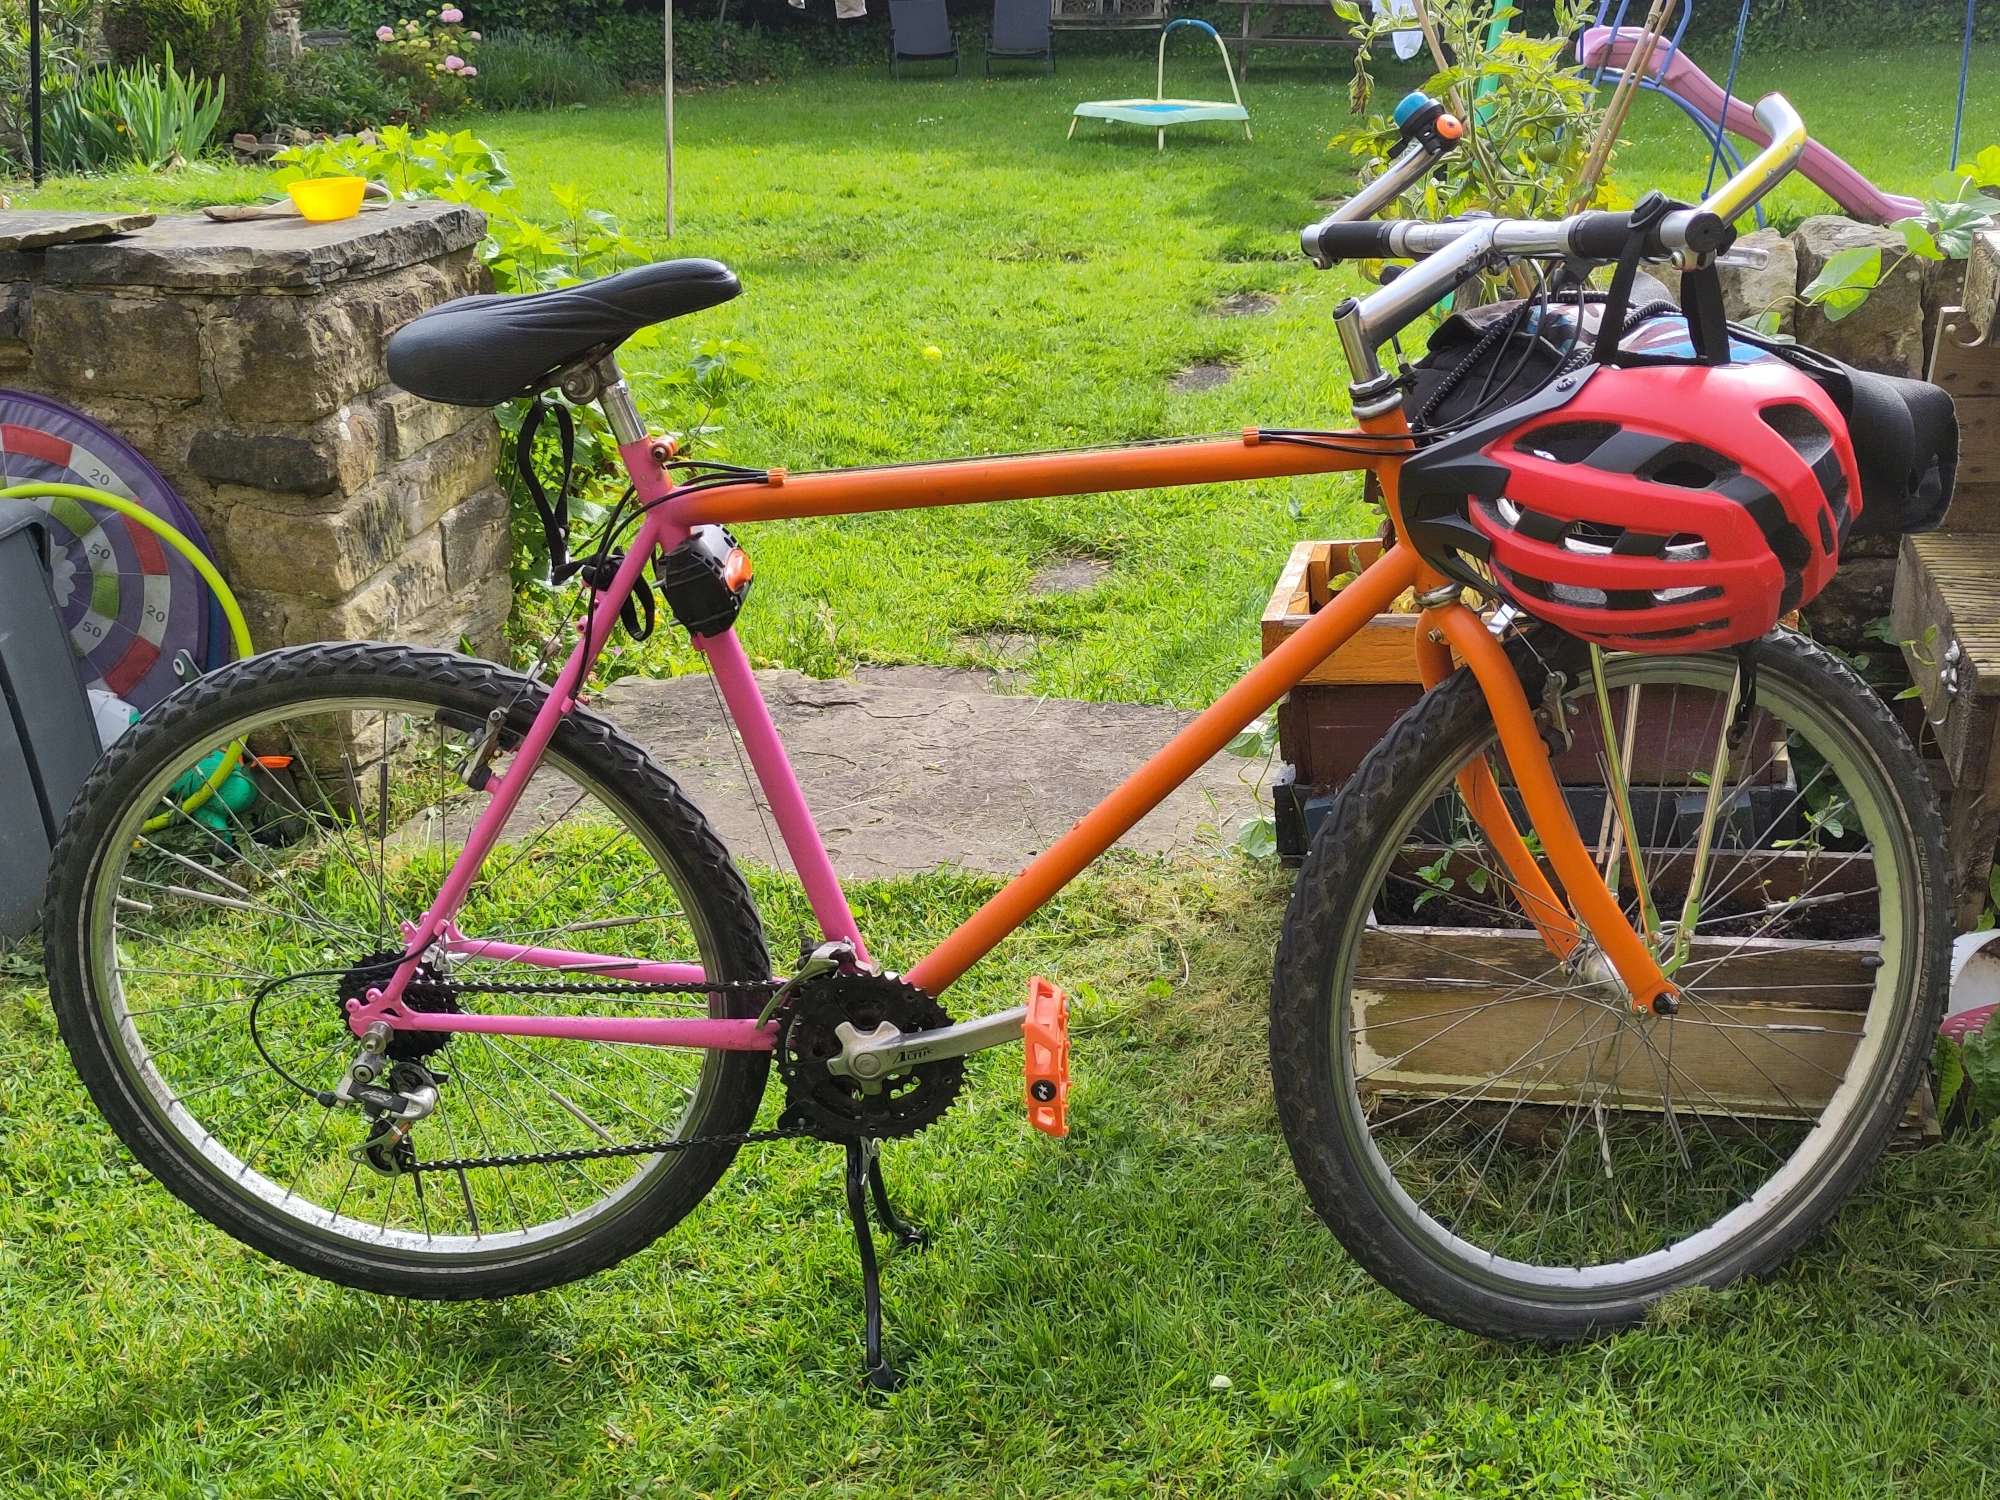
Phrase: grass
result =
(1063, 1331)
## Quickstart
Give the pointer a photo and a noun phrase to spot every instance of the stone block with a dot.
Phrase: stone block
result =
(119, 345)
(410, 423)
(337, 456)
(478, 543)
(325, 555)
(1886, 332)
(396, 603)
(442, 475)
(188, 252)
(281, 358)
(475, 615)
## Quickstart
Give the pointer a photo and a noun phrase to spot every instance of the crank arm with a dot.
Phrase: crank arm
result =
(887, 1050)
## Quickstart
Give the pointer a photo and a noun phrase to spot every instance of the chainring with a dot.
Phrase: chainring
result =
(839, 1109)
(427, 990)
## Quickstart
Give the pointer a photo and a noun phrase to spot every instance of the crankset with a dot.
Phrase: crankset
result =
(819, 1021)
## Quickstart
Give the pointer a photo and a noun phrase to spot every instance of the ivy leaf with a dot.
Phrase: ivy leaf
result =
(1768, 321)
(1917, 235)
(1845, 281)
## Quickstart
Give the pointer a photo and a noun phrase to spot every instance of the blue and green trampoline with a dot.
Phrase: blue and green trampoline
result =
(1159, 112)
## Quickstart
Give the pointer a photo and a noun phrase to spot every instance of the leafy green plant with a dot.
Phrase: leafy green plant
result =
(1257, 834)
(222, 42)
(150, 117)
(1529, 114)
(339, 90)
(457, 166)
(521, 71)
(1966, 1077)
(67, 27)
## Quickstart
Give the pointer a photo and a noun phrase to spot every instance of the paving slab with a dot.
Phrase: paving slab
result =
(910, 768)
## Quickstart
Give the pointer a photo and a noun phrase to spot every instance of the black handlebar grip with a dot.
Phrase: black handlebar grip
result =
(1600, 235)
(1707, 233)
(1363, 239)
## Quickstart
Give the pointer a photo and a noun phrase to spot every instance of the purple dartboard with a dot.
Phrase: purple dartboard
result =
(130, 602)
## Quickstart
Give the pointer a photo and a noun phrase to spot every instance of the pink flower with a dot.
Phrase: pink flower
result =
(472, 36)
(385, 33)
(453, 64)
(451, 15)
(468, 72)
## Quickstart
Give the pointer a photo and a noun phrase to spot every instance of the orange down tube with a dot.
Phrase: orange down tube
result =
(1026, 476)
(1104, 824)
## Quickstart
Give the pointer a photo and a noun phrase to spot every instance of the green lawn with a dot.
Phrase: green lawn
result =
(1064, 1329)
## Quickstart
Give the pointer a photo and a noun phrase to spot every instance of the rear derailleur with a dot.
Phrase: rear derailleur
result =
(392, 1095)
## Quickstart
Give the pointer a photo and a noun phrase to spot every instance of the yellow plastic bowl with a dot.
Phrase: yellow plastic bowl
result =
(325, 199)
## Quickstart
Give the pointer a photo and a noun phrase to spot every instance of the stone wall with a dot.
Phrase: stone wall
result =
(1892, 332)
(245, 361)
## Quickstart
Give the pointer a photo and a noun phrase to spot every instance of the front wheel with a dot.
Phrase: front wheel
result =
(1495, 1133)
(204, 923)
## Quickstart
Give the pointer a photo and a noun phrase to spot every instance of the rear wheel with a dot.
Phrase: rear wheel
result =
(171, 915)
(1496, 1134)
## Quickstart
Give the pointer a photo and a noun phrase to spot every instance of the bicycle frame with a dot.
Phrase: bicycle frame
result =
(1446, 626)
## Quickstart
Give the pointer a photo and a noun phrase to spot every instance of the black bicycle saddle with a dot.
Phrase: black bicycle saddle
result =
(480, 351)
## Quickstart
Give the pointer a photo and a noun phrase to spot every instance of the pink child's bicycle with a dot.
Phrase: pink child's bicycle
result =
(1610, 972)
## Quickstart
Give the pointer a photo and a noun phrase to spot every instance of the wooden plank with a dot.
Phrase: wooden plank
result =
(1963, 368)
(1382, 651)
(1946, 590)
(1439, 1010)
(1741, 878)
(1978, 439)
(34, 229)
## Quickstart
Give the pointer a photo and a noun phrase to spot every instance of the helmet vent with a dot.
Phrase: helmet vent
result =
(1687, 466)
(1801, 427)
(1566, 442)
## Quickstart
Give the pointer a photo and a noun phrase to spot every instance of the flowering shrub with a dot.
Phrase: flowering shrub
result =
(431, 58)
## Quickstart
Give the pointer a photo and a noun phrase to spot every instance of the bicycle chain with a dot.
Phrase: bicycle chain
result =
(636, 1148)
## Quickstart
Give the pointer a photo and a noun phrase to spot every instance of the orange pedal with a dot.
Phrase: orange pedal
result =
(1045, 1045)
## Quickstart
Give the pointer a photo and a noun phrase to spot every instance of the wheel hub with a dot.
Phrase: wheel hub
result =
(429, 990)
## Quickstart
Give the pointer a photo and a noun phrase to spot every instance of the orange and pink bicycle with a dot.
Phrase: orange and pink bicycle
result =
(1608, 973)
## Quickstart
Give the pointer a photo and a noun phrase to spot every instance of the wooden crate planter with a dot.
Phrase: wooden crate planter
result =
(1347, 702)
(1411, 968)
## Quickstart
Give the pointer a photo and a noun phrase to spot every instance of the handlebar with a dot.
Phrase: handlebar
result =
(1448, 254)
(1351, 232)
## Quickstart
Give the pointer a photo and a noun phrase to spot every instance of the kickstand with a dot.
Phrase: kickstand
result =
(907, 1234)
(862, 1173)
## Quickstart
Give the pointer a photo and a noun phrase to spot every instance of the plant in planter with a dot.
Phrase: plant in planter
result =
(1529, 116)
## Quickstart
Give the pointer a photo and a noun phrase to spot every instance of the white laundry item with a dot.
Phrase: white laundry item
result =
(1407, 43)
(848, 10)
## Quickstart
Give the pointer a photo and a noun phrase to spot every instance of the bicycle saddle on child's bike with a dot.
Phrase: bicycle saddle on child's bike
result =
(1610, 971)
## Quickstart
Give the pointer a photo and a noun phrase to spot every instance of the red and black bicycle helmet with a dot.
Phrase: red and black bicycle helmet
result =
(1649, 508)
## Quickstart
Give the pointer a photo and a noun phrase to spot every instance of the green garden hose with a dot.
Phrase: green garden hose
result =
(238, 630)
